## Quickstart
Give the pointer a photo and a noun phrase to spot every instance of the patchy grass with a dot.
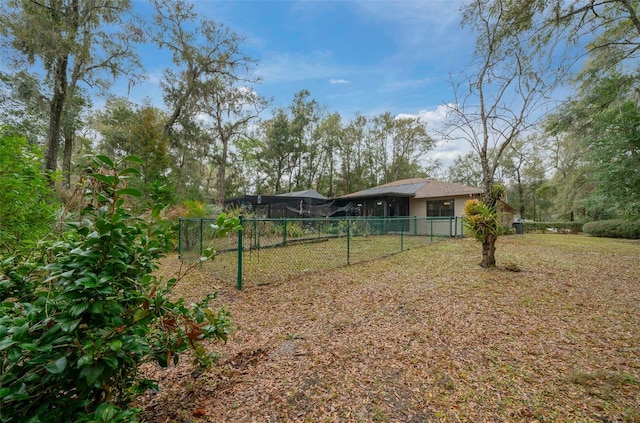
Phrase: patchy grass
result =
(552, 334)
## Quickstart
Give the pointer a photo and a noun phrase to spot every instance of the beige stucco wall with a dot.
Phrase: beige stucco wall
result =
(418, 206)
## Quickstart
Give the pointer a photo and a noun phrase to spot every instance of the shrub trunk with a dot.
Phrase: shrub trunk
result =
(489, 250)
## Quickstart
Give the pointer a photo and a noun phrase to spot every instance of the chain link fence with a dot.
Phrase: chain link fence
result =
(268, 250)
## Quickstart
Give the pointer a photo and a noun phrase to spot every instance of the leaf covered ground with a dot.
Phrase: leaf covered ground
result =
(552, 334)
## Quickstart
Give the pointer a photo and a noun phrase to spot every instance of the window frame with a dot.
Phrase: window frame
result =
(441, 210)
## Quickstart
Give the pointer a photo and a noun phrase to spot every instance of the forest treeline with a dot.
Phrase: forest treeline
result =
(216, 137)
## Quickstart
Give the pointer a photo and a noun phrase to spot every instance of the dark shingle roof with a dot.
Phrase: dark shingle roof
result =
(416, 187)
(309, 193)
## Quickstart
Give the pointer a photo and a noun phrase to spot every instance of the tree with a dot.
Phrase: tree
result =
(278, 151)
(70, 40)
(609, 30)
(290, 154)
(466, 170)
(245, 166)
(23, 107)
(127, 130)
(611, 26)
(482, 222)
(306, 114)
(211, 52)
(232, 108)
(147, 141)
(501, 96)
(351, 153)
(403, 143)
(522, 164)
(27, 206)
(209, 66)
(616, 156)
(329, 136)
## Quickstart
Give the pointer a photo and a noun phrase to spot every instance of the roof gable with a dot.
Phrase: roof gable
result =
(309, 193)
(416, 187)
(445, 189)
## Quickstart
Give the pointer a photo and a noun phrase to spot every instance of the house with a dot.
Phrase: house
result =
(421, 197)
(506, 213)
(413, 197)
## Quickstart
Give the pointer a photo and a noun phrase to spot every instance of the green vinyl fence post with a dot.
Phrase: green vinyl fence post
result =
(240, 252)
(348, 241)
(201, 234)
(179, 237)
(431, 230)
(255, 231)
(284, 232)
(402, 237)
(455, 225)
(450, 228)
(415, 225)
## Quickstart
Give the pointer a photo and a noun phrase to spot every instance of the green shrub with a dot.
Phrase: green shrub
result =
(572, 227)
(27, 205)
(294, 229)
(505, 230)
(617, 228)
(77, 321)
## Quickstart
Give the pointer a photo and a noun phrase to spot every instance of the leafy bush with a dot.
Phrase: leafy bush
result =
(573, 227)
(77, 321)
(294, 229)
(480, 220)
(617, 228)
(505, 230)
(27, 205)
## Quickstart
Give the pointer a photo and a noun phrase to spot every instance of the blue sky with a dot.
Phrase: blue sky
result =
(353, 56)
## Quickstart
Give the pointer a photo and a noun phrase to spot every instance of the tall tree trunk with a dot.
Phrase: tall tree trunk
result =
(520, 195)
(69, 141)
(222, 172)
(489, 251)
(57, 107)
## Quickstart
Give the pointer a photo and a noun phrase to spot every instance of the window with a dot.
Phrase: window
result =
(440, 208)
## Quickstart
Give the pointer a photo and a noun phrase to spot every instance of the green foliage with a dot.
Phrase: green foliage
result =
(240, 211)
(78, 321)
(195, 208)
(505, 230)
(294, 229)
(497, 191)
(598, 133)
(616, 228)
(614, 149)
(137, 131)
(27, 206)
(466, 170)
(479, 220)
(573, 227)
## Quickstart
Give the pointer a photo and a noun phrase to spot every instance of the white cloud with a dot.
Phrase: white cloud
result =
(339, 81)
(430, 117)
(436, 116)
(445, 150)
